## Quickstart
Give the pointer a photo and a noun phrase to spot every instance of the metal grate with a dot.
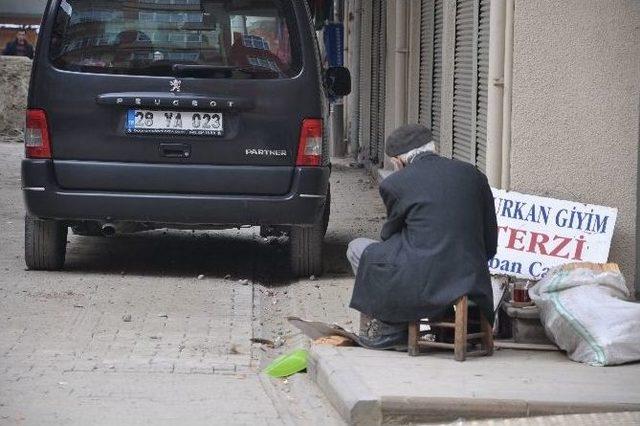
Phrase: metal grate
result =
(426, 62)
(382, 65)
(364, 100)
(463, 83)
(375, 82)
(470, 82)
(378, 76)
(483, 89)
(436, 97)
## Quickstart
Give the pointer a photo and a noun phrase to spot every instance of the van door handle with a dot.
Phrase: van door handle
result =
(175, 150)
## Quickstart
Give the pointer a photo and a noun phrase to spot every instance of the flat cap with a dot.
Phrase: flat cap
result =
(407, 137)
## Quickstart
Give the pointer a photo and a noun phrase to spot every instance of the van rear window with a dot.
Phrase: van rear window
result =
(212, 38)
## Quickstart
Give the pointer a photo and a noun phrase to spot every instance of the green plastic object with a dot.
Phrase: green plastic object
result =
(288, 364)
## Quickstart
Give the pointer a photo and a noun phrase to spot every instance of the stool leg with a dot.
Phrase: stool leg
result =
(487, 331)
(460, 341)
(414, 334)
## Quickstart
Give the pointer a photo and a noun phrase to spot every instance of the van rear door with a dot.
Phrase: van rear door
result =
(205, 95)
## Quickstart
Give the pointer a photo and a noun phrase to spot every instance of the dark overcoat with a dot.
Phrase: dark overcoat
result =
(440, 232)
(11, 49)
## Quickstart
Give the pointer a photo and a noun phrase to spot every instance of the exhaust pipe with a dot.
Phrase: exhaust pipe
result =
(108, 229)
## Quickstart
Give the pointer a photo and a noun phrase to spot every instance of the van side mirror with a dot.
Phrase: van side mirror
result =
(338, 81)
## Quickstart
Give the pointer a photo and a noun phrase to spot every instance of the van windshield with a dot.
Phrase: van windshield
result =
(217, 38)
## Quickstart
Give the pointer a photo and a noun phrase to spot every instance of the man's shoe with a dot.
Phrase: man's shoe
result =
(396, 341)
(382, 336)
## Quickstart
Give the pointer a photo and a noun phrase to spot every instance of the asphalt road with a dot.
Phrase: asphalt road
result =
(128, 334)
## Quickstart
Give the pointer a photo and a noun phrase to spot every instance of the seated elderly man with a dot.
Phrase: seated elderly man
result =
(439, 234)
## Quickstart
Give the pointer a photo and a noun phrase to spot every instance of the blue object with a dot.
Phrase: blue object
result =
(131, 119)
(334, 44)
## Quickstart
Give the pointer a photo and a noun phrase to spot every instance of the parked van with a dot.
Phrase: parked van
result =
(190, 114)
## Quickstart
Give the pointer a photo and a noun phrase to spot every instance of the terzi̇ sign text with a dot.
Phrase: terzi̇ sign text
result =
(537, 233)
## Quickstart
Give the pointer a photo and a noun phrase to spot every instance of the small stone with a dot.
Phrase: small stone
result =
(163, 316)
(201, 277)
(244, 282)
(126, 318)
(313, 278)
(227, 277)
(123, 273)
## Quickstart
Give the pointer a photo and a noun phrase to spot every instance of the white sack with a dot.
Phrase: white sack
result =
(588, 313)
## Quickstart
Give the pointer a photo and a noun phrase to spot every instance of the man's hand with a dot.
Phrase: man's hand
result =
(397, 164)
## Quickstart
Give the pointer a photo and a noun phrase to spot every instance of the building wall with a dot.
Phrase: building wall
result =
(576, 94)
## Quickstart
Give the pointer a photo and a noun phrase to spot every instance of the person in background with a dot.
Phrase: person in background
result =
(19, 47)
(439, 234)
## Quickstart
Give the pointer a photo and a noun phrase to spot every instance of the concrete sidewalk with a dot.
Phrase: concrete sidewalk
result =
(372, 387)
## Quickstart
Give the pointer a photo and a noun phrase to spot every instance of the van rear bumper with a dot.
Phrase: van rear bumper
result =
(301, 206)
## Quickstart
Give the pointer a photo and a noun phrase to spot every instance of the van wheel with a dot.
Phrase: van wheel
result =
(306, 250)
(45, 244)
(305, 245)
(327, 211)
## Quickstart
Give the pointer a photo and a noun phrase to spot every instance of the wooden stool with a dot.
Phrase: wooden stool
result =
(485, 336)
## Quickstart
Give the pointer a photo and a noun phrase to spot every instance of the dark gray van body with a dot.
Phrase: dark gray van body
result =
(102, 173)
(246, 177)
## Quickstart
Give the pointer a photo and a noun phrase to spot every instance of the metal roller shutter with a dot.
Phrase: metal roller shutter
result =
(464, 83)
(354, 109)
(483, 89)
(364, 79)
(436, 97)
(471, 66)
(378, 76)
(426, 62)
(382, 80)
(375, 78)
(375, 82)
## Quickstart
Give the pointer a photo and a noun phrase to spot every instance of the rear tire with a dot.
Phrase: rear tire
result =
(327, 211)
(306, 250)
(45, 244)
(306, 245)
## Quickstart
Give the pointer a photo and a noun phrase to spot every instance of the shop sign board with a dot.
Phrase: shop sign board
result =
(334, 44)
(538, 233)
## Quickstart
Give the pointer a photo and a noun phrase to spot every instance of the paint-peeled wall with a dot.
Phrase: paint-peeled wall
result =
(575, 116)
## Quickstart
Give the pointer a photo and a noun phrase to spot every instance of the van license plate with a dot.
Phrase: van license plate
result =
(196, 123)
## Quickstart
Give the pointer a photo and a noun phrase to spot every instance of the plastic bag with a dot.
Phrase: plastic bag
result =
(586, 309)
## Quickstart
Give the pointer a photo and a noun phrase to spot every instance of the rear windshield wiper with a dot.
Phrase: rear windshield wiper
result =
(196, 69)
(257, 69)
(227, 70)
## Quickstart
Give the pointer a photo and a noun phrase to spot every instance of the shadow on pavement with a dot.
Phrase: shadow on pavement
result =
(216, 254)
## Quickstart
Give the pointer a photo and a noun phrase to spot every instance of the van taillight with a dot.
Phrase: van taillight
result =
(310, 146)
(36, 135)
